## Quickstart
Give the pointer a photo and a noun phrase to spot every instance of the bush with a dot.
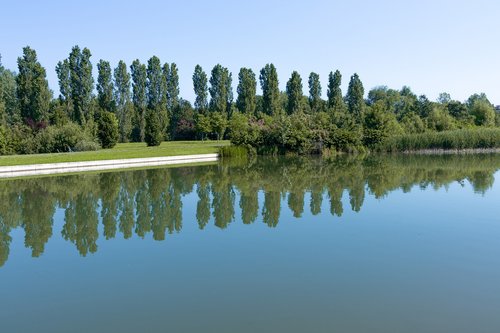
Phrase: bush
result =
(4, 141)
(107, 129)
(87, 145)
(67, 138)
(153, 133)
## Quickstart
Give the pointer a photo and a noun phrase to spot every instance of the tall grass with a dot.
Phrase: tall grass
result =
(480, 138)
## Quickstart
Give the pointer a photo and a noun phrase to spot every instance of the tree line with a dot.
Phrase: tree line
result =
(140, 102)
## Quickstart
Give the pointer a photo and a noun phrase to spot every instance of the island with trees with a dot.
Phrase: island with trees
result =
(140, 102)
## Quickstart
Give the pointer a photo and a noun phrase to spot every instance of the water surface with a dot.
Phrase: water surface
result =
(376, 244)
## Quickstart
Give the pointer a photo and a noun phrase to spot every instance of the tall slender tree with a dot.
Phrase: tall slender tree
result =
(33, 91)
(172, 87)
(294, 93)
(105, 86)
(315, 92)
(81, 83)
(270, 90)
(3, 113)
(355, 101)
(247, 90)
(200, 89)
(139, 96)
(63, 76)
(157, 92)
(334, 93)
(122, 100)
(220, 90)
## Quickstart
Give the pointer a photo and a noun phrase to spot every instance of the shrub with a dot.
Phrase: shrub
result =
(4, 141)
(153, 133)
(67, 138)
(107, 129)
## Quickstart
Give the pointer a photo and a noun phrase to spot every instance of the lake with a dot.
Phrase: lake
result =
(344, 244)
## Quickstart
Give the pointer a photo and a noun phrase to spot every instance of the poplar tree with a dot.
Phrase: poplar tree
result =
(3, 113)
(139, 97)
(105, 86)
(33, 92)
(81, 83)
(172, 87)
(314, 92)
(334, 93)
(270, 90)
(220, 90)
(200, 89)
(294, 93)
(355, 101)
(8, 88)
(156, 92)
(247, 90)
(122, 100)
(166, 72)
(63, 76)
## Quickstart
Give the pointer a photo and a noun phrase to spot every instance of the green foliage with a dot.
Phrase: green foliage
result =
(156, 84)
(153, 132)
(108, 129)
(315, 100)
(379, 125)
(200, 89)
(32, 87)
(346, 134)
(334, 92)
(124, 106)
(139, 98)
(105, 86)
(299, 138)
(238, 152)
(483, 113)
(218, 124)
(64, 78)
(480, 138)
(424, 107)
(242, 130)
(355, 101)
(203, 125)
(183, 122)
(247, 87)
(294, 93)
(439, 120)
(412, 123)
(66, 138)
(157, 96)
(220, 90)
(172, 77)
(81, 84)
(4, 141)
(270, 90)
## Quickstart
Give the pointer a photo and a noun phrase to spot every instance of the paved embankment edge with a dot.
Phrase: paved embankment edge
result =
(54, 168)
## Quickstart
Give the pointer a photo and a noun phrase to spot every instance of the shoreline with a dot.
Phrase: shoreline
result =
(101, 165)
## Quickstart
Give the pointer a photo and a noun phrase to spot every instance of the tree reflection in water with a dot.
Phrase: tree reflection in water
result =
(146, 202)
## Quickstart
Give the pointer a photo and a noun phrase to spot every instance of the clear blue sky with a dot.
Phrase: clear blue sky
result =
(431, 46)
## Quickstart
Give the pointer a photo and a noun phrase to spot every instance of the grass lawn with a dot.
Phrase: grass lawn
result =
(121, 150)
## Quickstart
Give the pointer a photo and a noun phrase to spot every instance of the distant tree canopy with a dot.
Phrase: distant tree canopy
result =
(142, 103)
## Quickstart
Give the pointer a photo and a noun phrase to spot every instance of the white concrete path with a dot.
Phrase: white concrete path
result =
(54, 168)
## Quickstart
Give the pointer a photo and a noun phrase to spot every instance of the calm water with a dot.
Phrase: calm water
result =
(394, 244)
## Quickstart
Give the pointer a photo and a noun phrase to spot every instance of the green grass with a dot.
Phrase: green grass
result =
(121, 150)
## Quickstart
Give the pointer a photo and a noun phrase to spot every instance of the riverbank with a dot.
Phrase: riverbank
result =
(119, 152)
